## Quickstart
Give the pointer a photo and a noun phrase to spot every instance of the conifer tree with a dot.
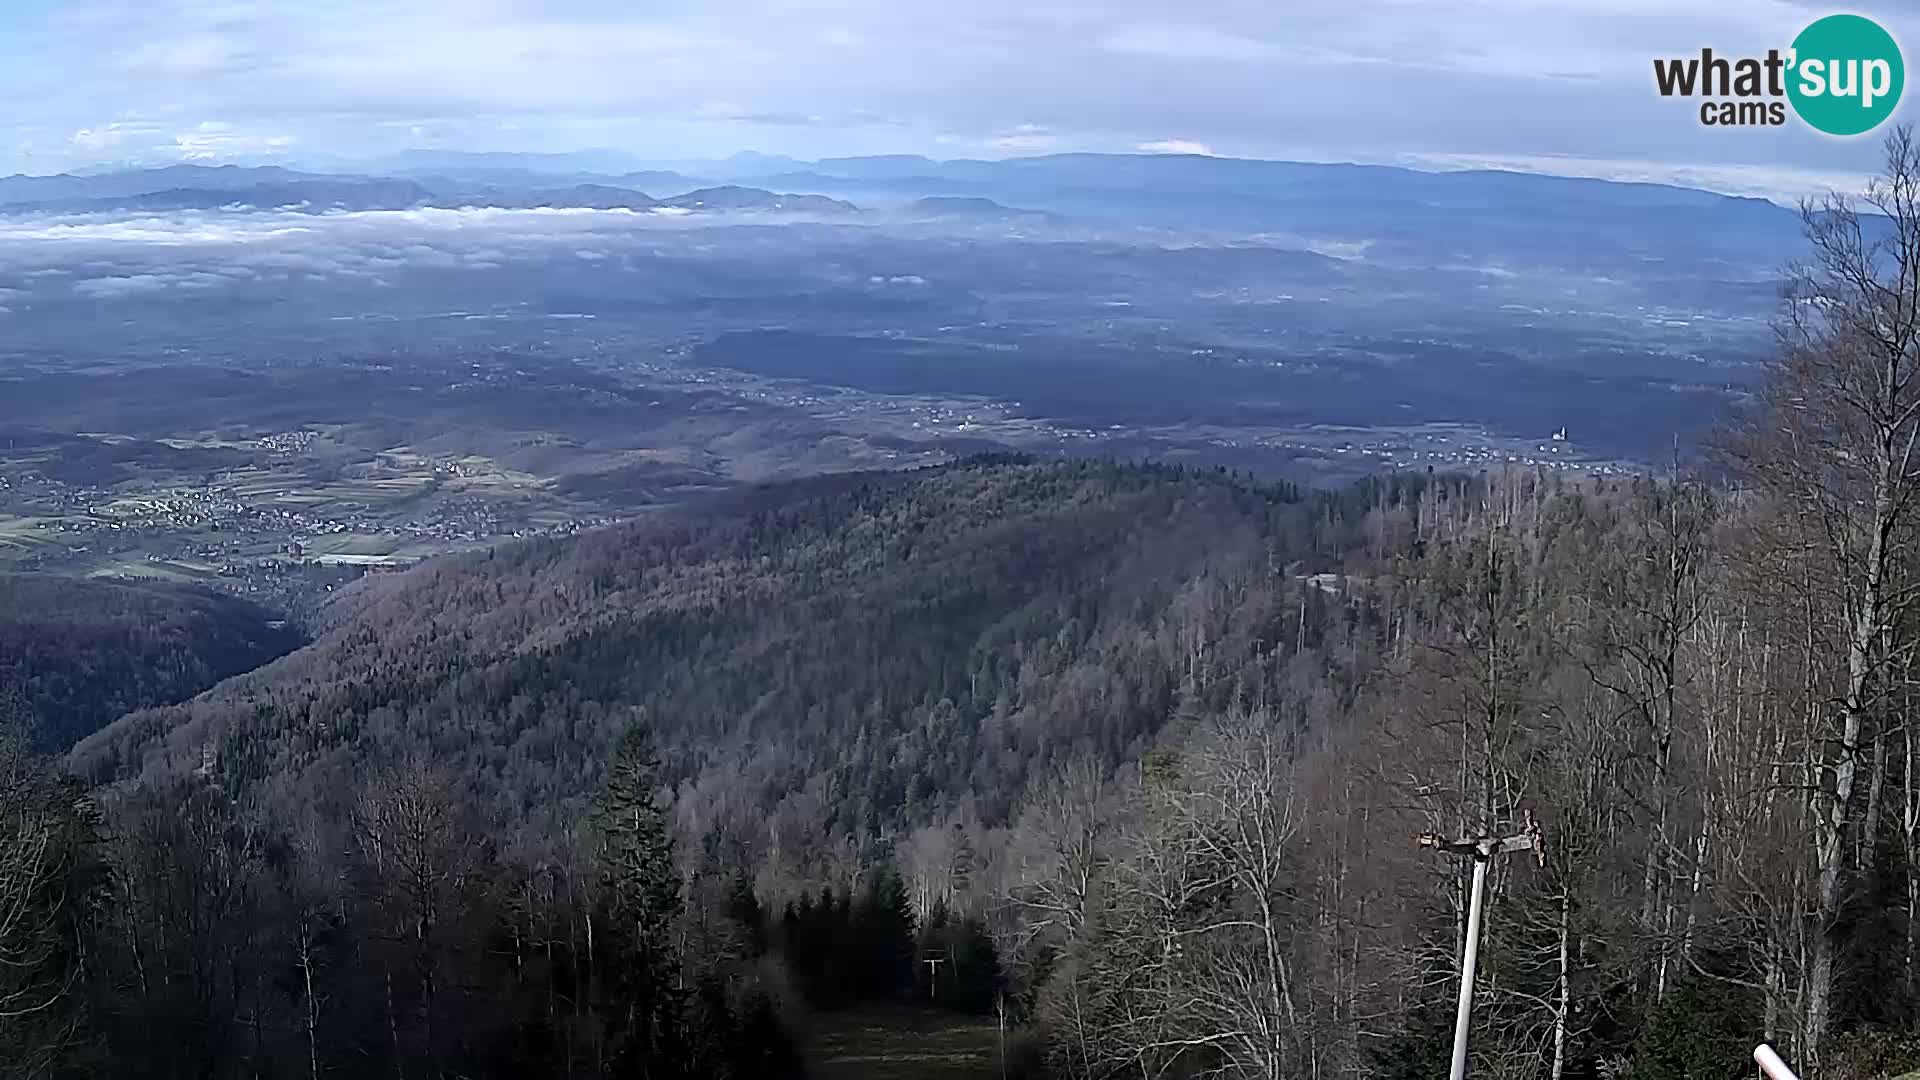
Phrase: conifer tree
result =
(640, 892)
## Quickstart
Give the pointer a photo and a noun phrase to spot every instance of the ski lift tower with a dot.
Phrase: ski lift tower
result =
(1482, 850)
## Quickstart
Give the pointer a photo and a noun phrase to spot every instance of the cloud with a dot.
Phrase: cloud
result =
(1175, 146)
(1784, 185)
(1189, 43)
(204, 253)
(107, 288)
(730, 112)
(1025, 137)
(202, 80)
(214, 140)
(109, 137)
(191, 55)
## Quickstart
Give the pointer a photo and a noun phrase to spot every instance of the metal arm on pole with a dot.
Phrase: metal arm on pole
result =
(1481, 850)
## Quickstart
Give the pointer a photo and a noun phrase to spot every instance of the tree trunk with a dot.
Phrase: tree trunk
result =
(1776, 989)
(1864, 857)
(393, 1032)
(1837, 806)
(1910, 837)
(1564, 990)
(313, 1003)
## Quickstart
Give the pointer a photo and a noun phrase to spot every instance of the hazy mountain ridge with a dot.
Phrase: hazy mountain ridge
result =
(973, 208)
(1395, 218)
(511, 177)
(736, 197)
(272, 188)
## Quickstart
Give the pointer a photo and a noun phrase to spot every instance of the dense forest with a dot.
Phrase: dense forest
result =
(1135, 756)
(82, 653)
(859, 655)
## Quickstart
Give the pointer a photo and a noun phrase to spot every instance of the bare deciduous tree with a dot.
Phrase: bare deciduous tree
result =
(39, 846)
(1833, 448)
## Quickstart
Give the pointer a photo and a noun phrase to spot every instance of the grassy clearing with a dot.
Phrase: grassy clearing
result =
(904, 1044)
(182, 570)
(352, 544)
(20, 537)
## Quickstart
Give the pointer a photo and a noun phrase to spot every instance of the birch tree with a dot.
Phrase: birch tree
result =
(1832, 445)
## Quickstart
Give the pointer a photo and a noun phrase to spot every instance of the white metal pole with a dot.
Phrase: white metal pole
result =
(1469, 957)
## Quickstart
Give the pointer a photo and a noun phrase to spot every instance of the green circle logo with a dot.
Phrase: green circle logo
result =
(1847, 75)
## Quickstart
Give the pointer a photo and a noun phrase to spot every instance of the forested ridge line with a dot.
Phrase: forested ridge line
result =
(81, 653)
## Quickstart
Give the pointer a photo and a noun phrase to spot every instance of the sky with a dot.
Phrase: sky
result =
(1553, 85)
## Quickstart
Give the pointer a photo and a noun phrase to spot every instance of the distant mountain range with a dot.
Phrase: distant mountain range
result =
(1183, 173)
(314, 193)
(187, 187)
(755, 182)
(1398, 215)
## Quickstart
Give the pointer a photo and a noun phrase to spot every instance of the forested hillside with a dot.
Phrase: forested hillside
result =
(81, 653)
(856, 657)
(821, 676)
(1041, 721)
(1129, 758)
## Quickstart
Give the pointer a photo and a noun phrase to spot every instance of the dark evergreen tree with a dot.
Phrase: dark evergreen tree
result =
(762, 1047)
(640, 897)
(1422, 1048)
(1700, 1032)
(884, 938)
(743, 907)
(971, 978)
